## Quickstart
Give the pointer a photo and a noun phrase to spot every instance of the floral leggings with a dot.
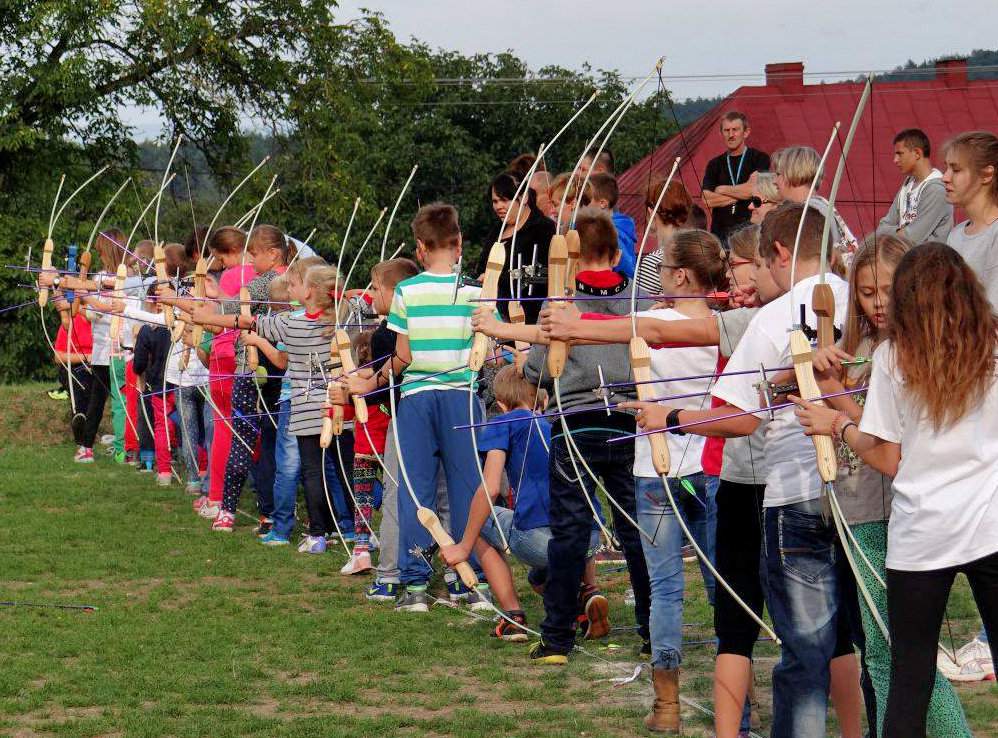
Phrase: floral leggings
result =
(365, 486)
(945, 717)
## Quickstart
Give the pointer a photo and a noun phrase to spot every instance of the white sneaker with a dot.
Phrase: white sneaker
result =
(107, 439)
(209, 511)
(971, 663)
(163, 480)
(358, 563)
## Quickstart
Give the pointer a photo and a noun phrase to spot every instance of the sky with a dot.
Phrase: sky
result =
(710, 49)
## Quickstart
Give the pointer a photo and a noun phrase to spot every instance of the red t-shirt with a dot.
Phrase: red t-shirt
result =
(713, 449)
(377, 425)
(83, 338)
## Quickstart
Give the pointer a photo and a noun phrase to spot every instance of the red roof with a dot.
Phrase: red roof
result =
(786, 112)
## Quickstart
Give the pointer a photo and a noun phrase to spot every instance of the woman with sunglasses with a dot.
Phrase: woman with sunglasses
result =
(765, 196)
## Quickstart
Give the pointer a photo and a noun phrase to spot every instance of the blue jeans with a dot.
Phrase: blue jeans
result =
(529, 546)
(571, 528)
(190, 407)
(426, 434)
(287, 473)
(664, 558)
(804, 574)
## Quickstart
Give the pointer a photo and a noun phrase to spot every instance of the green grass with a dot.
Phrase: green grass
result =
(201, 634)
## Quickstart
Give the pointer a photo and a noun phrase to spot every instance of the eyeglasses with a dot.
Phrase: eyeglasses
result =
(732, 263)
(758, 202)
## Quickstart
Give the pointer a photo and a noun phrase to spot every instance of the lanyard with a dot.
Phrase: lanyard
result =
(735, 177)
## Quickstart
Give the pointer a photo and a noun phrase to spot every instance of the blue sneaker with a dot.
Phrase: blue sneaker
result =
(383, 591)
(312, 545)
(457, 592)
(349, 537)
(274, 538)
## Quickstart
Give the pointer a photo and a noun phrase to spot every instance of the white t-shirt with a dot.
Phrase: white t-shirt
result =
(684, 451)
(980, 251)
(791, 462)
(194, 374)
(100, 327)
(945, 507)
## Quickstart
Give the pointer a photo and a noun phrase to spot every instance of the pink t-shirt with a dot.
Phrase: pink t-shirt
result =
(223, 346)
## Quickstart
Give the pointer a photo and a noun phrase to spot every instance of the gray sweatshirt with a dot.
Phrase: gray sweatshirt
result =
(580, 376)
(920, 210)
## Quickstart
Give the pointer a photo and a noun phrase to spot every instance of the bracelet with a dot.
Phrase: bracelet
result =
(672, 420)
(842, 431)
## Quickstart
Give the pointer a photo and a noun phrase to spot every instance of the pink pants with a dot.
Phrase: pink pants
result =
(221, 439)
(165, 431)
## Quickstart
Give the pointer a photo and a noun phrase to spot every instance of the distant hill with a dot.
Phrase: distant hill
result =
(981, 64)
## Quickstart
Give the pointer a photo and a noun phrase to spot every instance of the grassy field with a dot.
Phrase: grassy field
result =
(201, 634)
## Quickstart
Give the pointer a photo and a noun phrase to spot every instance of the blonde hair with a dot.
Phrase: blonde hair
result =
(700, 253)
(324, 282)
(512, 390)
(943, 331)
(109, 252)
(797, 164)
(303, 264)
(765, 184)
(279, 290)
(980, 149)
(886, 250)
(559, 183)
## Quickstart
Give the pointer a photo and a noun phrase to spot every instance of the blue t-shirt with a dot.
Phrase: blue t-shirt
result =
(627, 237)
(526, 465)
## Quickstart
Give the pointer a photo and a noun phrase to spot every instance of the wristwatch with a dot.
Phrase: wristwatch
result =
(672, 420)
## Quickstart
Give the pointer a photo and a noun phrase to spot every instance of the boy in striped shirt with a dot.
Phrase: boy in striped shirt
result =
(432, 316)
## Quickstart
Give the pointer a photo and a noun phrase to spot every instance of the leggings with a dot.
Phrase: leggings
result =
(100, 389)
(365, 479)
(945, 715)
(738, 549)
(220, 389)
(132, 419)
(247, 426)
(81, 378)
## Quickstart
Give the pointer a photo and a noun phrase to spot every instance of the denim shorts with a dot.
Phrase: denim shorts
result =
(529, 546)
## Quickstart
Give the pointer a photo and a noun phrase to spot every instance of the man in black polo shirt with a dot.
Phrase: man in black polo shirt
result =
(727, 188)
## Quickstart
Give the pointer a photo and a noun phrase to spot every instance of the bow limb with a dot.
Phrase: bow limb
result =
(476, 359)
(214, 219)
(427, 518)
(391, 218)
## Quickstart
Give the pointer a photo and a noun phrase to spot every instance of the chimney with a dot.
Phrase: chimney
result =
(952, 72)
(787, 77)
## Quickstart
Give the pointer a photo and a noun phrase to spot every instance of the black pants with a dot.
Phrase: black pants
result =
(738, 550)
(100, 390)
(571, 526)
(320, 522)
(916, 603)
(82, 380)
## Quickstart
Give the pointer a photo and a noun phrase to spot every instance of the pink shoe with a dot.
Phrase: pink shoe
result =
(224, 523)
(84, 455)
(359, 563)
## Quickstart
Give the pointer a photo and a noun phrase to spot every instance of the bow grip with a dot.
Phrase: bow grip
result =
(348, 367)
(800, 351)
(490, 289)
(641, 369)
(557, 270)
(431, 522)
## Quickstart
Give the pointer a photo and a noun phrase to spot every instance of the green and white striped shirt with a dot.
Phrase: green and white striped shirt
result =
(439, 331)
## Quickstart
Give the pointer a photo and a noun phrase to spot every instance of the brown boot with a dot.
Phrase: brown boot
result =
(664, 715)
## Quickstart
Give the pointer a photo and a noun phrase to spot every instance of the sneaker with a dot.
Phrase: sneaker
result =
(382, 591)
(457, 592)
(510, 632)
(971, 663)
(225, 522)
(273, 538)
(480, 599)
(193, 488)
(688, 553)
(629, 597)
(107, 439)
(163, 479)
(412, 600)
(541, 654)
(120, 457)
(609, 555)
(210, 510)
(349, 537)
(597, 613)
(132, 458)
(84, 455)
(146, 469)
(312, 545)
(358, 563)
(264, 527)
(58, 394)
